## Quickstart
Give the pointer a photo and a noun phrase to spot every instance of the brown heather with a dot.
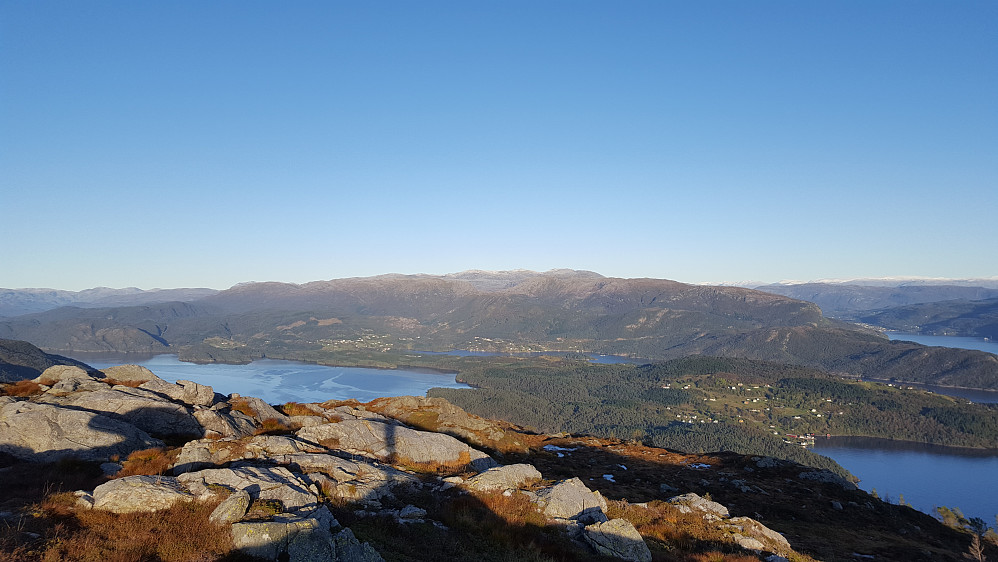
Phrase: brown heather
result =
(96, 535)
(459, 466)
(272, 426)
(21, 389)
(242, 405)
(151, 462)
(296, 409)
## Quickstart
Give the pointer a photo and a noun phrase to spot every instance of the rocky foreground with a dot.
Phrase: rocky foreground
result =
(420, 479)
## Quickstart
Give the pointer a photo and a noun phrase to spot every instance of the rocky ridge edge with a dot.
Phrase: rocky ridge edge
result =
(331, 452)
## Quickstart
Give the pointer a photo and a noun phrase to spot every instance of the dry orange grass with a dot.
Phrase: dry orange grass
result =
(242, 405)
(448, 468)
(272, 426)
(296, 409)
(514, 509)
(150, 462)
(21, 389)
(179, 534)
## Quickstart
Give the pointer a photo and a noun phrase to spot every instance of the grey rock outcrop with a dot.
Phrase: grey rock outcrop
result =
(261, 482)
(66, 380)
(382, 441)
(312, 537)
(571, 499)
(829, 477)
(143, 409)
(139, 494)
(258, 409)
(130, 373)
(509, 477)
(617, 538)
(45, 432)
(348, 479)
(220, 423)
(752, 529)
(188, 392)
(298, 538)
(693, 501)
(57, 373)
(212, 453)
(437, 414)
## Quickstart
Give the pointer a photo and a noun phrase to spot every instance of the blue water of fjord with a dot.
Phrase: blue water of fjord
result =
(928, 476)
(277, 382)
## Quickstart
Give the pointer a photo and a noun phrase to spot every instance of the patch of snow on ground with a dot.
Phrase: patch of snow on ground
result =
(609, 478)
(557, 450)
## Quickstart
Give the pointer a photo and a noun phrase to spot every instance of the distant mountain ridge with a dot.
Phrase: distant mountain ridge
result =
(847, 300)
(15, 302)
(520, 311)
(901, 281)
(977, 318)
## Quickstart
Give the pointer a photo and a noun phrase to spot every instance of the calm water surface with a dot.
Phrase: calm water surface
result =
(927, 476)
(277, 381)
(979, 344)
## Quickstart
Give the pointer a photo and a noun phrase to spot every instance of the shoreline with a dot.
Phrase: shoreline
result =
(991, 451)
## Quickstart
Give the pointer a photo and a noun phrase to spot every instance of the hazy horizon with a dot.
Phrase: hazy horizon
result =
(739, 283)
(191, 144)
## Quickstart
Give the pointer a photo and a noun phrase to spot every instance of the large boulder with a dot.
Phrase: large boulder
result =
(617, 538)
(257, 409)
(232, 508)
(45, 432)
(688, 502)
(317, 536)
(188, 392)
(130, 374)
(57, 373)
(73, 382)
(306, 538)
(139, 494)
(571, 499)
(746, 527)
(219, 422)
(508, 477)
(143, 409)
(397, 444)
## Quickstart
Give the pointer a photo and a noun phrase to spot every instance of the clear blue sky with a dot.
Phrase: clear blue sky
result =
(192, 143)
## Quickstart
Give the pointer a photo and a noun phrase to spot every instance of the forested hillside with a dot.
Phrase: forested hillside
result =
(700, 404)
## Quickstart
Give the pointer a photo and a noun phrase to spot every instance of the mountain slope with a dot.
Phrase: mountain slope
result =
(565, 311)
(15, 302)
(20, 360)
